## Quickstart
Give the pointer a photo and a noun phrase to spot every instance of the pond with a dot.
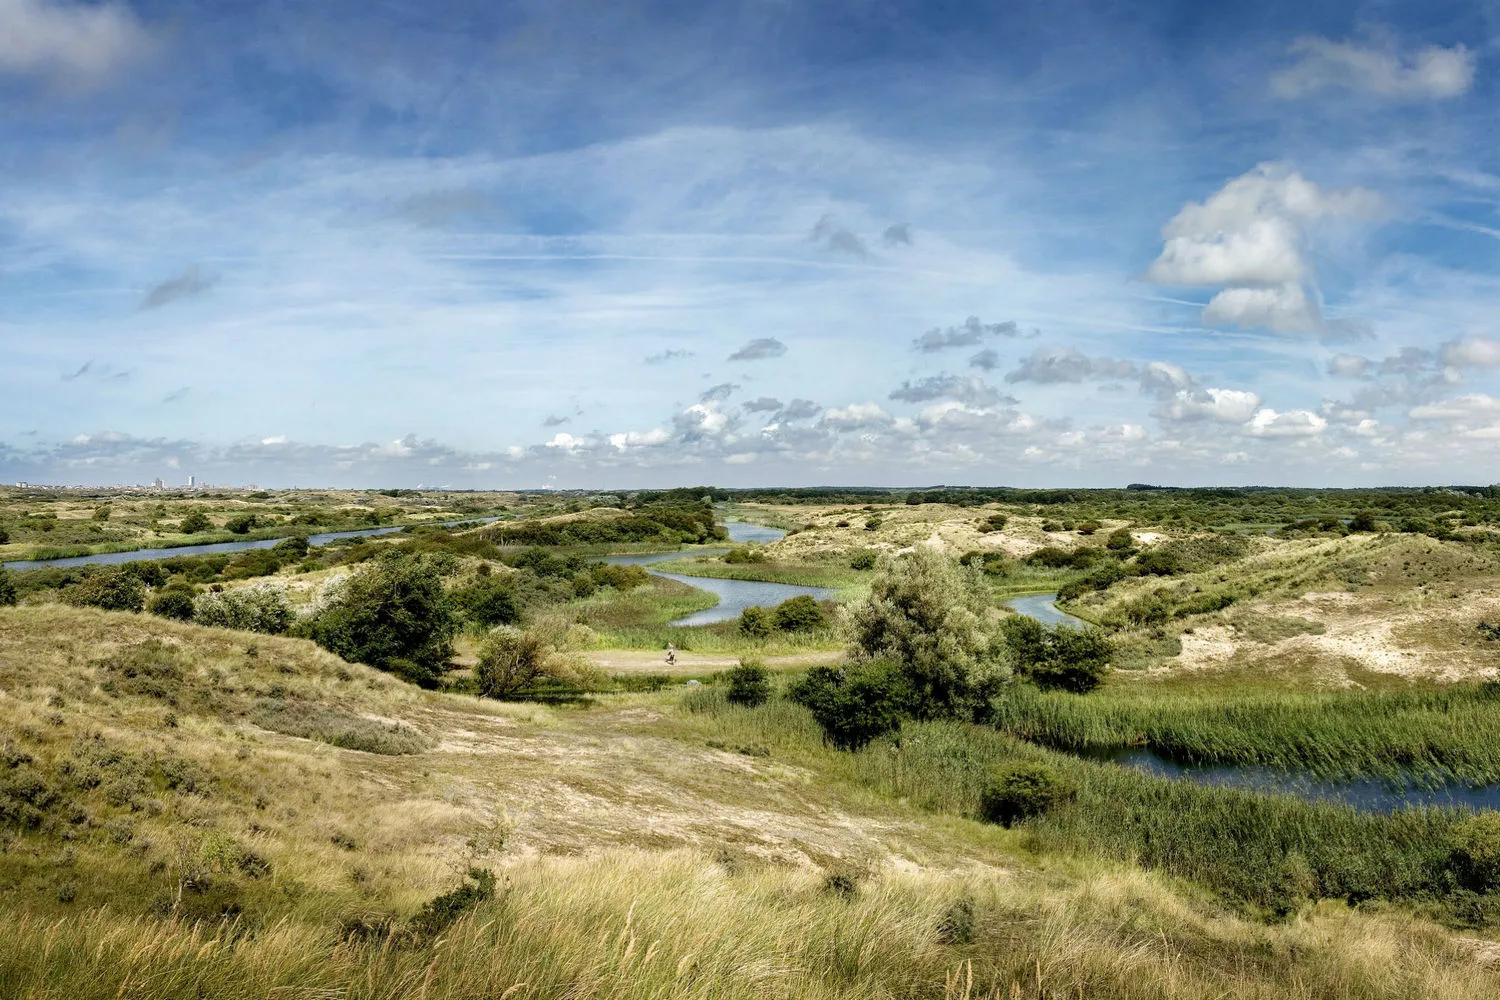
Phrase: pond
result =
(1043, 607)
(734, 595)
(144, 555)
(1364, 794)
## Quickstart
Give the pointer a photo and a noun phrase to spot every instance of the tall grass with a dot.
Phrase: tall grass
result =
(1430, 736)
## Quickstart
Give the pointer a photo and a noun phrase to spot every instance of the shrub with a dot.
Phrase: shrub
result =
(490, 601)
(438, 914)
(873, 524)
(748, 685)
(110, 590)
(995, 522)
(392, 609)
(1476, 851)
(7, 589)
(621, 577)
(798, 614)
(174, 602)
(4, 536)
(1058, 658)
(513, 660)
(855, 705)
(957, 923)
(291, 549)
(1022, 789)
(931, 616)
(194, 522)
(755, 622)
(1119, 539)
(241, 524)
(1088, 527)
(150, 573)
(261, 608)
(1364, 521)
(863, 560)
(738, 556)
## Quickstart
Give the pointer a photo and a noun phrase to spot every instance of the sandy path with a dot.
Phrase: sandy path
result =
(640, 661)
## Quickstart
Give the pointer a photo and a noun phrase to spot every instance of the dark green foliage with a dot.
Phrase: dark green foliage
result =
(755, 622)
(995, 522)
(194, 522)
(1088, 527)
(4, 535)
(7, 589)
(990, 563)
(798, 614)
(1119, 539)
(1364, 521)
(1190, 555)
(668, 523)
(958, 922)
(291, 549)
(854, 705)
(1057, 658)
(173, 602)
(241, 523)
(438, 914)
(842, 881)
(1023, 789)
(111, 590)
(620, 577)
(149, 573)
(741, 556)
(862, 560)
(490, 601)
(1108, 574)
(584, 585)
(747, 685)
(1057, 558)
(392, 610)
(1476, 851)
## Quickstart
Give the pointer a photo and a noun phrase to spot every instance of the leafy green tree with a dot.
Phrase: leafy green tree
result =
(393, 609)
(490, 601)
(194, 522)
(241, 524)
(798, 614)
(514, 660)
(110, 590)
(931, 616)
(1057, 658)
(857, 704)
(259, 608)
(755, 622)
(1364, 521)
(747, 685)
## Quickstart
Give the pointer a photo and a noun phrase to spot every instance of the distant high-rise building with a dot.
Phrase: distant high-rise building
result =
(192, 482)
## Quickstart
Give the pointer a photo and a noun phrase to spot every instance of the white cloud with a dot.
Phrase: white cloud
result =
(1226, 406)
(1431, 73)
(1472, 352)
(278, 439)
(855, 416)
(1348, 365)
(635, 439)
(1250, 236)
(1064, 364)
(1163, 376)
(77, 45)
(1290, 423)
(1459, 408)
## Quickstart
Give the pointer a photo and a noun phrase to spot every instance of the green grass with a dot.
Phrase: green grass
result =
(802, 574)
(1433, 736)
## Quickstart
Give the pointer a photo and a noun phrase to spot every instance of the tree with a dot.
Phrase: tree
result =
(755, 622)
(7, 589)
(490, 601)
(798, 614)
(241, 524)
(857, 704)
(110, 590)
(747, 685)
(1058, 658)
(513, 660)
(260, 608)
(393, 609)
(194, 522)
(931, 616)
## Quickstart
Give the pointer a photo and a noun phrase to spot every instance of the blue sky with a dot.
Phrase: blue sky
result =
(575, 244)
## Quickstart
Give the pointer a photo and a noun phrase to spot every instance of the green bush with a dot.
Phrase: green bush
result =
(1057, 658)
(438, 914)
(4, 536)
(194, 522)
(7, 589)
(111, 590)
(755, 622)
(490, 601)
(739, 556)
(241, 524)
(174, 602)
(1119, 539)
(863, 560)
(995, 522)
(931, 616)
(621, 577)
(391, 609)
(747, 685)
(1088, 527)
(260, 608)
(1476, 851)
(798, 614)
(1022, 789)
(855, 705)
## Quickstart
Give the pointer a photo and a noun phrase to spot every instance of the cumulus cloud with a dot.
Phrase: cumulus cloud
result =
(968, 334)
(828, 234)
(1164, 377)
(1472, 352)
(759, 349)
(186, 285)
(1430, 73)
(718, 393)
(899, 234)
(765, 404)
(662, 357)
(986, 360)
(77, 45)
(1064, 364)
(856, 416)
(800, 409)
(1250, 236)
(555, 421)
(1348, 365)
(1291, 423)
(1226, 406)
(972, 391)
(1459, 408)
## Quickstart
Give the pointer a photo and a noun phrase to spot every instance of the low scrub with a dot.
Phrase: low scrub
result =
(337, 727)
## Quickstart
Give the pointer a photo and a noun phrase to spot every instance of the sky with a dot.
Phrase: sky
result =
(518, 245)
